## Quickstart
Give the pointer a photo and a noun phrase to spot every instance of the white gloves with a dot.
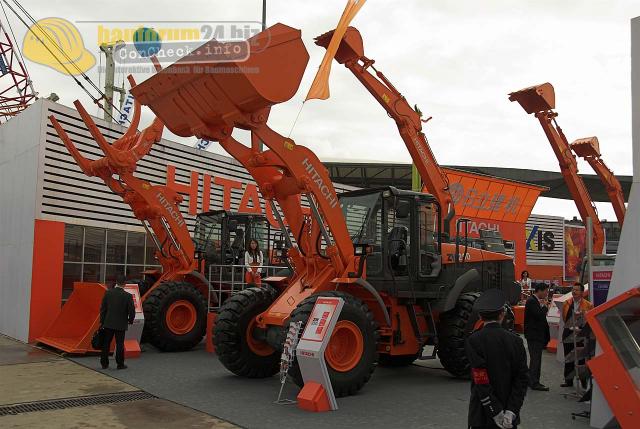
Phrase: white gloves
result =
(509, 419)
(499, 420)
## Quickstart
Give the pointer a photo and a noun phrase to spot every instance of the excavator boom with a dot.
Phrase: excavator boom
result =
(408, 119)
(589, 149)
(540, 100)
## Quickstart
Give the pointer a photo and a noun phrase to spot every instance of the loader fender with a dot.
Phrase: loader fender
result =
(461, 283)
(204, 283)
(365, 284)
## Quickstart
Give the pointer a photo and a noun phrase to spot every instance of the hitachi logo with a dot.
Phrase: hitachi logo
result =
(175, 214)
(317, 179)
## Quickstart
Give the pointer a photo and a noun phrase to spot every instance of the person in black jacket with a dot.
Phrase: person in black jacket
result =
(117, 312)
(498, 368)
(536, 331)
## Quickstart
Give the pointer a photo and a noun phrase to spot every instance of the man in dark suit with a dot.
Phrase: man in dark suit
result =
(498, 368)
(117, 312)
(536, 331)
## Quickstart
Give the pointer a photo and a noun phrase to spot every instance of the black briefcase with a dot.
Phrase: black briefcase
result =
(97, 339)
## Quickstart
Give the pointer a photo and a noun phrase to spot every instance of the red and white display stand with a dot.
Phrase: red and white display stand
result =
(317, 393)
(133, 335)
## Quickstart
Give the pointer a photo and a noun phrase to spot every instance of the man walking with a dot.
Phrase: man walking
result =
(536, 331)
(117, 311)
(498, 368)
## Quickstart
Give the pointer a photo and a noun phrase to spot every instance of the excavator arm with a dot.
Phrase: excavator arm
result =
(589, 149)
(408, 119)
(540, 100)
(155, 206)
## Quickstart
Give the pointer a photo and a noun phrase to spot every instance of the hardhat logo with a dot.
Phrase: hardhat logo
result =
(46, 39)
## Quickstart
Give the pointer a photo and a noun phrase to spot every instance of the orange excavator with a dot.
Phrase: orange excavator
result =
(409, 120)
(540, 100)
(589, 149)
(381, 250)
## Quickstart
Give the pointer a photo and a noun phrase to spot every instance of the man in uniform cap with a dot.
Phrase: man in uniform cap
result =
(498, 368)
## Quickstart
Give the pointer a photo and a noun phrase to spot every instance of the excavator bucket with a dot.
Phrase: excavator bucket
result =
(79, 318)
(535, 99)
(200, 95)
(587, 147)
(351, 47)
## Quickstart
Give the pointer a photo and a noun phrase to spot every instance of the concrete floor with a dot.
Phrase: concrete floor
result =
(31, 375)
(419, 396)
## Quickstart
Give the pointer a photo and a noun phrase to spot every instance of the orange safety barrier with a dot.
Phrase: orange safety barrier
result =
(79, 318)
(313, 398)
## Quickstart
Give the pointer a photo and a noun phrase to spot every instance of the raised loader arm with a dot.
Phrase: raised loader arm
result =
(589, 149)
(540, 100)
(409, 120)
(155, 206)
(211, 104)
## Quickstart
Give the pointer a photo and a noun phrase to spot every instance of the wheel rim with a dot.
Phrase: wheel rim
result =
(257, 347)
(181, 317)
(345, 346)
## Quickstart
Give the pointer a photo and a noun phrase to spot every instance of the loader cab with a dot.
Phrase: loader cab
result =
(221, 237)
(402, 230)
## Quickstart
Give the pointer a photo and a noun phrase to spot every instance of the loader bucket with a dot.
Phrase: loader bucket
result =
(79, 318)
(199, 95)
(351, 47)
(587, 147)
(535, 99)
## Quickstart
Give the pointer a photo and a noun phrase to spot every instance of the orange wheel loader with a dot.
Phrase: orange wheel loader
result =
(381, 250)
(174, 300)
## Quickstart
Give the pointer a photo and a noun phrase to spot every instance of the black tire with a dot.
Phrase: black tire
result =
(356, 311)
(230, 334)
(396, 361)
(155, 308)
(454, 328)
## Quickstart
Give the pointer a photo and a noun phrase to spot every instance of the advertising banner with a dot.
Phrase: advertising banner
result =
(575, 249)
(599, 282)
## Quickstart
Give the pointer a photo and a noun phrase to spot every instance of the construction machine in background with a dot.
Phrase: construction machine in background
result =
(409, 121)
(175, 299)
(540, 100)
(380, 250)
(589, 149)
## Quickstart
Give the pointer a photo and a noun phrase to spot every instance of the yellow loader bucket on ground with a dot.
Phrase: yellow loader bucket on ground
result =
(79, 318)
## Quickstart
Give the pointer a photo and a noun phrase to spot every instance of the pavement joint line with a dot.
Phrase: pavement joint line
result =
(75, 402)
(29, 363)
(160, 397)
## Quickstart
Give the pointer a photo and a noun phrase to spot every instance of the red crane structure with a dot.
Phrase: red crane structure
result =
(16, 88)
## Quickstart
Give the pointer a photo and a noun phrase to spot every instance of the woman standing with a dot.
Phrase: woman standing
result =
(253, 260)
(525, 281)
